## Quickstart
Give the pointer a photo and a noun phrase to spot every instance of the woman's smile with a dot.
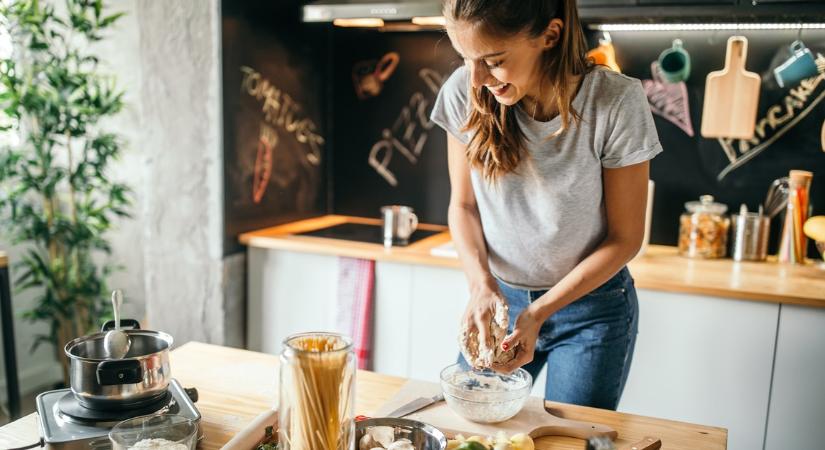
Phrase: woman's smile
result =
(499, 89)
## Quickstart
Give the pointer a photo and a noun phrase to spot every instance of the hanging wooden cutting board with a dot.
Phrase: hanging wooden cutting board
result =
(533, 418)
(731, 96)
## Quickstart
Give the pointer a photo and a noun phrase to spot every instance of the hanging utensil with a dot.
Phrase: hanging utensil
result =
(777, 197)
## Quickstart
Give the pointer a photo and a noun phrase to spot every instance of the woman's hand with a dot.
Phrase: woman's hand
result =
(480, 311)
(523, 338)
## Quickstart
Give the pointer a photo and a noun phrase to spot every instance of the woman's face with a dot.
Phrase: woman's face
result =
(509, 67)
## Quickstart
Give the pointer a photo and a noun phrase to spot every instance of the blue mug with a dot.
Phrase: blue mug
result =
(799, 66)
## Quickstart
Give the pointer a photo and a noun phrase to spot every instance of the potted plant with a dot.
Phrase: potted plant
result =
(57, 198)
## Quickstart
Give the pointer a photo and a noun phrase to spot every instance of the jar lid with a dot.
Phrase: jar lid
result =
(706, 205)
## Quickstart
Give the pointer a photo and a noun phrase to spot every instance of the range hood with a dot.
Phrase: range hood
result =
(329, 10)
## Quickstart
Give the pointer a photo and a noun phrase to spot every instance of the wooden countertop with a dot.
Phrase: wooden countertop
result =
(235, 385)
(660, 268)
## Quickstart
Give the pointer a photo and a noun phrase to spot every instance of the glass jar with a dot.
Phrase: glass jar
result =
(793, 244)
(317, 393)
(703, 229)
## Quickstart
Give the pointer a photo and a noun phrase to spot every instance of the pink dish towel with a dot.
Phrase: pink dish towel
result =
(354, 308)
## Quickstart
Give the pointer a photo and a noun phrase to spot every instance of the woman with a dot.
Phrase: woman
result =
(548, 162)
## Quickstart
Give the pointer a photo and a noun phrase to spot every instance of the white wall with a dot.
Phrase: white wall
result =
(166, 56)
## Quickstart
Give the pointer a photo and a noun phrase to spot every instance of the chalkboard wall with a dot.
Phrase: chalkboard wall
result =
(363, 97)
(387, 150)
(692, 166)
(274, 92)
(688, 167)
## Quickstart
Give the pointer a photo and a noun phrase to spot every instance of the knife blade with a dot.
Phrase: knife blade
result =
(416, 405)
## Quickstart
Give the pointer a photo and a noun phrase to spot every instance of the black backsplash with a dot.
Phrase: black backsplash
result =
(314, 64)
(688, 167)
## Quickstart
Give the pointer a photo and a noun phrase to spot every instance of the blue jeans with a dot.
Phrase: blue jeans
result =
(587, 345)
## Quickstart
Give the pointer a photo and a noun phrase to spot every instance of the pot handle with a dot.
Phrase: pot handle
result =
(119, 371)
(125, 324)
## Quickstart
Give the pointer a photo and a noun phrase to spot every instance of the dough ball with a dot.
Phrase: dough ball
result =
(479, 354)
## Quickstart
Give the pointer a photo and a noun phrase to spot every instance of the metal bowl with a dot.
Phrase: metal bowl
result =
(422, 435)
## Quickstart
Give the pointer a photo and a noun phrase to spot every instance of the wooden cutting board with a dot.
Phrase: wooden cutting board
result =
(533, 418)
(731, 96)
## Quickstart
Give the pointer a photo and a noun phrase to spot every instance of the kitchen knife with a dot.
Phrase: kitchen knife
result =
(416, 405)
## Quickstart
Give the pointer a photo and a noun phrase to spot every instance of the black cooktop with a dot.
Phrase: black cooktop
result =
(362, 233)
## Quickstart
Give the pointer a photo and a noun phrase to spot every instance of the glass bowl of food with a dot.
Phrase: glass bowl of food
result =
(485, 396)
(397, 434)
(158, 431)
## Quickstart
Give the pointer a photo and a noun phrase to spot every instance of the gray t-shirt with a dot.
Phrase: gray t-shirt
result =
(540, 222)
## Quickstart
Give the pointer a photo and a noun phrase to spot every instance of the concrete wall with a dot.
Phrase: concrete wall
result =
(166, 55)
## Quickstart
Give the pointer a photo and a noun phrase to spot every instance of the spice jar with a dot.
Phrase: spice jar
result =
(317, 393)
(703, 229)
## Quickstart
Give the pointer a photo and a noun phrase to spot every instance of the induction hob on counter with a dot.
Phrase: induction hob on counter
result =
(362, 232)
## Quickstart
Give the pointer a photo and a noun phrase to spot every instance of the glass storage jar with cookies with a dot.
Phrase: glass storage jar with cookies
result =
(703, 229)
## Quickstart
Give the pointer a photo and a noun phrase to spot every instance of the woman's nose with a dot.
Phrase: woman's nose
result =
(478, 74)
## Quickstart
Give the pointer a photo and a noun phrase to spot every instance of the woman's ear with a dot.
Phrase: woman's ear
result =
(552, 34)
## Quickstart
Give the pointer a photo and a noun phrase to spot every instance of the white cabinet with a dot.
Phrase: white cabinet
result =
(704, 360)
(393, 287)
(698, 359)
(289, 292)
(797, 411)
(439, 297)
(416, 308)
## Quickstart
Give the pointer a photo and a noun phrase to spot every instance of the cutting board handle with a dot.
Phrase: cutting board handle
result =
(572, 428)
(737, 53)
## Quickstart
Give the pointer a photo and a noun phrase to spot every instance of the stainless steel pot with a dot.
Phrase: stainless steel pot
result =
(136, 380)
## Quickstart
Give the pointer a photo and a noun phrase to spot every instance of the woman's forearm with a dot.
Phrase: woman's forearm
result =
(593, 271)
(468, 238)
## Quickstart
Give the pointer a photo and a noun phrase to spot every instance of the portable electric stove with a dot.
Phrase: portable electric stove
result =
(66, 425)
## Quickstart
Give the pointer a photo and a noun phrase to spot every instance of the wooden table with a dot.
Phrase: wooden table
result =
(236, 385)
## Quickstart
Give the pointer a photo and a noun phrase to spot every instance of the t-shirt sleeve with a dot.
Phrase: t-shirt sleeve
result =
(451, 108)
(632, 136)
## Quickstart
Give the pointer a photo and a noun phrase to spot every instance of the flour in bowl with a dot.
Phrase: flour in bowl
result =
(158, 444)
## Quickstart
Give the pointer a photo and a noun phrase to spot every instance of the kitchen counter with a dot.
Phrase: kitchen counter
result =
(235, 385)
(661, 268)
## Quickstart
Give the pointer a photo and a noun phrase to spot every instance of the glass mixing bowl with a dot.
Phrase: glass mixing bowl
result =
(483, 395)
(155, 432)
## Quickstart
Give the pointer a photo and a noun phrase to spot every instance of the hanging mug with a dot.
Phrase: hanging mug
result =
(368, 77)
(674, 63)
(800, 65)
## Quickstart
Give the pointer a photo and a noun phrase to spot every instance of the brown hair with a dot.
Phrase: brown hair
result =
(497, 146)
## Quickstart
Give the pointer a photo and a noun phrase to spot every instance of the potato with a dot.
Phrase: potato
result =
(522, 442)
